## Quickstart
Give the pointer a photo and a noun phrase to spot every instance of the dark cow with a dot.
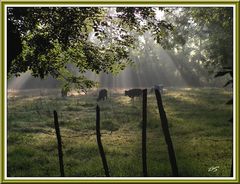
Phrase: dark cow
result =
(102, 94)
(133, 93)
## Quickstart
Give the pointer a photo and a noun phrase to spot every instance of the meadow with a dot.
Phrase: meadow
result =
(198, 123)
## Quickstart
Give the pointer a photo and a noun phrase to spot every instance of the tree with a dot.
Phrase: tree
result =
(56, 40)
(204, 35)
(13, 50)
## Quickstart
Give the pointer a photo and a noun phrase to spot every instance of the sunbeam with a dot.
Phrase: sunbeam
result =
(17, 83)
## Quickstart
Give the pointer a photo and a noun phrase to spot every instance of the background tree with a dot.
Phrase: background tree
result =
(204, 35)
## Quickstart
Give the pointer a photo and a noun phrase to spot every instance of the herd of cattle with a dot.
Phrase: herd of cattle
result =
(103, 93)
(130, 93)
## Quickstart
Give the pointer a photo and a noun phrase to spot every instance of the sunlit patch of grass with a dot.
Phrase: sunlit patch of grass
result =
(198, 123)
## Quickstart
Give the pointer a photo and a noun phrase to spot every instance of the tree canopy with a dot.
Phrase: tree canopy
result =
(58, 40)
(204, 35)
(53, 40)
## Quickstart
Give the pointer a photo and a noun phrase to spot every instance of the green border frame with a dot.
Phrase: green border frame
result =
(3, 3)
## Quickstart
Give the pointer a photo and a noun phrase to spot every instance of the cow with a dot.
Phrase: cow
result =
(102, 94)
(158, 87)
(133, 93)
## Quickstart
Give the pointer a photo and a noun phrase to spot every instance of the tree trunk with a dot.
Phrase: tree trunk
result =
(60, 154)
(99, 142)
(166, 132)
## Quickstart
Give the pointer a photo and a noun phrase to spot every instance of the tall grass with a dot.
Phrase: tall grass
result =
(198, 123)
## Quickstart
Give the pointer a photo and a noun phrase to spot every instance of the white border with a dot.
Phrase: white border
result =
(124, 178)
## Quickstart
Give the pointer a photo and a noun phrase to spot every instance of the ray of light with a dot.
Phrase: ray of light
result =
(17, 83)
(162, 71)
(145, 75)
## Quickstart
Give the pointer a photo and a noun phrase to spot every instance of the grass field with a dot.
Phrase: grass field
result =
(198, 122)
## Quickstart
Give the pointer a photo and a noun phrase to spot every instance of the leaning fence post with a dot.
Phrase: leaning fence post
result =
(60, 154)
(99, 142)
(166, 132)
(144, 134)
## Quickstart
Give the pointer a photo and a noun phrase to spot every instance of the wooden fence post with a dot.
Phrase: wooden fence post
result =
(60, 154)
(144, 132)
(166, 132)
(99, 142)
